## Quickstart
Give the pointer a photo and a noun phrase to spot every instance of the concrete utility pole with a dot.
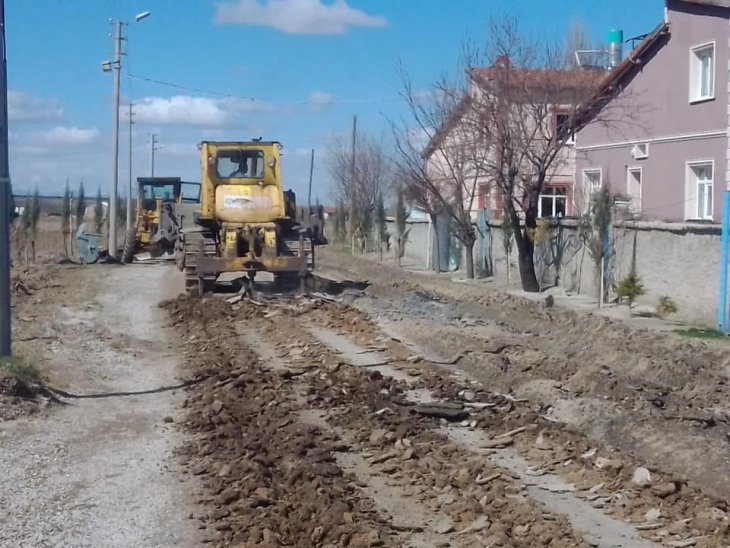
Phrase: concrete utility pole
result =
(129, 190)
(5, 197)
(116, 67)
(153, 148)
(309, 197)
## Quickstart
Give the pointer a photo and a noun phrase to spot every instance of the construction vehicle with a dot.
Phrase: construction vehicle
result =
(247, 223)
(163, 204)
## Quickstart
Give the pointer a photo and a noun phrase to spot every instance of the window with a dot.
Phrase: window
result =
(592, 181)
(159, 192)
(240, 164)
(553, 202)
(702, 73)
(633, 187)
(699, 190)
(563, 129)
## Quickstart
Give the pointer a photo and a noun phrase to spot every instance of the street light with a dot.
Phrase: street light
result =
(116, 67)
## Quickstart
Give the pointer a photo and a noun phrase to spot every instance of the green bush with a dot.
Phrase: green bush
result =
(630, 288)
(666, 306)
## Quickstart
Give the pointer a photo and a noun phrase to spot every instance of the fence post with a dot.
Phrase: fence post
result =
(722, 323)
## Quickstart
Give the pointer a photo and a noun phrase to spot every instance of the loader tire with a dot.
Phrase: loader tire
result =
(130, 246)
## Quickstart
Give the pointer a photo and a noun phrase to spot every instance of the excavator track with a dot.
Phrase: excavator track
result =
(195, 244)
(293, 247)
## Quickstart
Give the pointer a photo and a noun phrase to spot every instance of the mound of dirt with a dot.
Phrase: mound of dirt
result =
(269, 480)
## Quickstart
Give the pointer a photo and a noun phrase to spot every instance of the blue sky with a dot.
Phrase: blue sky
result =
(293, 70)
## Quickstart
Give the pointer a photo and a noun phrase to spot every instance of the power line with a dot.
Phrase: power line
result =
(254, 99)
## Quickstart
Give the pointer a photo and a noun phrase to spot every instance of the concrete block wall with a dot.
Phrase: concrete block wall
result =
(678, 260)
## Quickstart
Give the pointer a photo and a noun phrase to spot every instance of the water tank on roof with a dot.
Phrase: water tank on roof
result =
(615, 48)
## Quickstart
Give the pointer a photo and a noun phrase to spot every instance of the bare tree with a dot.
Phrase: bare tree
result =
(443, 155)
(529, 114)
(373, 176)
(577, 39)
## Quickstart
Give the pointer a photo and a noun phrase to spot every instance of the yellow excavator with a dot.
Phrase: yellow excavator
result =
(246, 223)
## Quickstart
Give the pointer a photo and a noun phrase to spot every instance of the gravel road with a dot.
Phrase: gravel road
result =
(99, 471)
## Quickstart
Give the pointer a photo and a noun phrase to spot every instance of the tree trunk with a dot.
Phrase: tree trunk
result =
(469, 248)
(32, 246)
(525, 246)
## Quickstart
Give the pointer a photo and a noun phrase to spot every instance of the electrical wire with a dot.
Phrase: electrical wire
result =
(254, 99)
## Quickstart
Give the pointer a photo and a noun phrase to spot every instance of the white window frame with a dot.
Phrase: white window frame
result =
(554, 197)
(636, 155)
(588, 192)
(695, 73)
(636, 206)
(691, 209)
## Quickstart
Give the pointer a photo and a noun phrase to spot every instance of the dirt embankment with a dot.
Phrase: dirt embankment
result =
(655, 396)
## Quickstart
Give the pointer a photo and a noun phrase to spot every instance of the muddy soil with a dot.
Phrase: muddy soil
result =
(97, 469)
(653, 396)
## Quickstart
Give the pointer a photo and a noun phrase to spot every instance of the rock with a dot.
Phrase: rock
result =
(217, 406)
(549, 301)
(708, 521)
(477, 525)
(224, 471)
(220, 513)
(229, 495)
(469, 395)
(652, 515)
(498, 443)
(167, 419)
(663, 490)
(641, 477)
(444, 527)
(541, 443)
(200, 469)
(603, 463)
(376, 436)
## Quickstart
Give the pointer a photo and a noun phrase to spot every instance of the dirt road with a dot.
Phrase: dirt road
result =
(316, 423)
(413, 413)
(97, 470)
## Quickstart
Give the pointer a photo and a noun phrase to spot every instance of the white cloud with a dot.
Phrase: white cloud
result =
(69, 136)
(320, 100)
(24, 107)
(186, 111)
(297, 16)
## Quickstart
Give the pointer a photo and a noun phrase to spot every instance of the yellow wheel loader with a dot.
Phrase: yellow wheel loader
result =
(163, 203)
(246, 223)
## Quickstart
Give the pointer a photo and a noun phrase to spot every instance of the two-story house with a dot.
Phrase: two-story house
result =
(547, 89)
(663, 142)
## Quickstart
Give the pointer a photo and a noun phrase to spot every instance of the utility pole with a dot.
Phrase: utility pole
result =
(309, 197)
(353, 185)
(153, 148)
(129, 190)
(5, 197)
(116, 68)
